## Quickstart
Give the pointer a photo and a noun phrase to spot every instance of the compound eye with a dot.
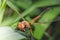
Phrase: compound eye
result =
(20, 26)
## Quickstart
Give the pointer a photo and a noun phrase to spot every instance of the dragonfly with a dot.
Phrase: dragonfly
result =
(25, 25)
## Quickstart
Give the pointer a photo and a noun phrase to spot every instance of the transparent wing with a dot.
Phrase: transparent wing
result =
(55, 20)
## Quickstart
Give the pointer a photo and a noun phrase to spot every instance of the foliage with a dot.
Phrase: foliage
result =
(13, 11)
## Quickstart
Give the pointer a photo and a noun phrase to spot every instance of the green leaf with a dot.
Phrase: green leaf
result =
(40, 28)
(44, 3)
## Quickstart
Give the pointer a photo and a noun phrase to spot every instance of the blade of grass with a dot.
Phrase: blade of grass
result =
(12, 6)
(44, 3)
(2, 9)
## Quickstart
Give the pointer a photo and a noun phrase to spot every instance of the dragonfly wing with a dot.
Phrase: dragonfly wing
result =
(56, 19)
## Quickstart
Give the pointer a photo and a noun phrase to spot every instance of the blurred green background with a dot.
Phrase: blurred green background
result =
(46, 27)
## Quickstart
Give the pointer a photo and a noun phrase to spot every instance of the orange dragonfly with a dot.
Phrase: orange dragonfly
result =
(25, 25)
